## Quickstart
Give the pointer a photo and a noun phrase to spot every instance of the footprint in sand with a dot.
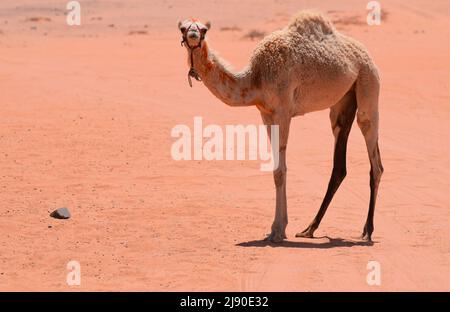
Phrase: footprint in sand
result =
(254, 34)
(38, 19)
(137, 32)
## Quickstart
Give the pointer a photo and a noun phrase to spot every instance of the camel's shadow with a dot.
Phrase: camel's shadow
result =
(313, 244)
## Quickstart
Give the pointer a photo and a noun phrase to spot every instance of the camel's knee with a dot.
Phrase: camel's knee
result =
(364, 123)
(367, 122)
(279, 176)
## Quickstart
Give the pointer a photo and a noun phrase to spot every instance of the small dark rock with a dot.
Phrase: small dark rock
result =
(61, 213)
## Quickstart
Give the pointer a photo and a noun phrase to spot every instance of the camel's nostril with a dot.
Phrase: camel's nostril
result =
(193, 35)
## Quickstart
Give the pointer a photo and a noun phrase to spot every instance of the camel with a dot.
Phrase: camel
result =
(307, 66)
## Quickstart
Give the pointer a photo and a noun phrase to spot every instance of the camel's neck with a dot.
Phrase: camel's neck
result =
(233, 88)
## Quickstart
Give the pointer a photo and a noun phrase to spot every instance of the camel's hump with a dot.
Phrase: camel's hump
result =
(313, 23)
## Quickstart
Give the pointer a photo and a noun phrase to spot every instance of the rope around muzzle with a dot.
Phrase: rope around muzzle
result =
(192, 71)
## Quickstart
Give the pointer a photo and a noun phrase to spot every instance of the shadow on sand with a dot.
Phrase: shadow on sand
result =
(330, 243)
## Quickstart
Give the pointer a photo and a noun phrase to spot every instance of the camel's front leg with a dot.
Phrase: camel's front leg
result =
(281, 219)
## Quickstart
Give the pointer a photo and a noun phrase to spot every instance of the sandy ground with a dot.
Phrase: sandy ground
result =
(86, 114)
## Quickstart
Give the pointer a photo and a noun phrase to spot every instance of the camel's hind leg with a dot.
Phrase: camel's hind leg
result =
(342, 116)
(367, 91)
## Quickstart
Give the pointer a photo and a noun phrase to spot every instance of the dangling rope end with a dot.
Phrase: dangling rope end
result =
(193, 73)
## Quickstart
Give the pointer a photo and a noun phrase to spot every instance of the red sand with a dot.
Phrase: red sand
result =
(86, 114)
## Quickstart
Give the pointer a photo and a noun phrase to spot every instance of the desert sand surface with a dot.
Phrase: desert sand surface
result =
(86, 117)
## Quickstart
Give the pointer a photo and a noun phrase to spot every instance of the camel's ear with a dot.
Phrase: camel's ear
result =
(180, 27)
(208, 25)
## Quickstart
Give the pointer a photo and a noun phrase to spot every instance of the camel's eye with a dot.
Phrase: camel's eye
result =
(183, 30)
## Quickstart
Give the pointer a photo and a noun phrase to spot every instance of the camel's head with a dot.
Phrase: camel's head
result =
(193, 32)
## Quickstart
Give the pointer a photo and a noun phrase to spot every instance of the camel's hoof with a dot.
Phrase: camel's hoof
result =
(367, 233)
(275, 237)
(308, 233)
(366, 237)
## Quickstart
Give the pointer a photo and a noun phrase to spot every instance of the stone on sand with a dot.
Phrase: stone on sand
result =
(61, 213)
